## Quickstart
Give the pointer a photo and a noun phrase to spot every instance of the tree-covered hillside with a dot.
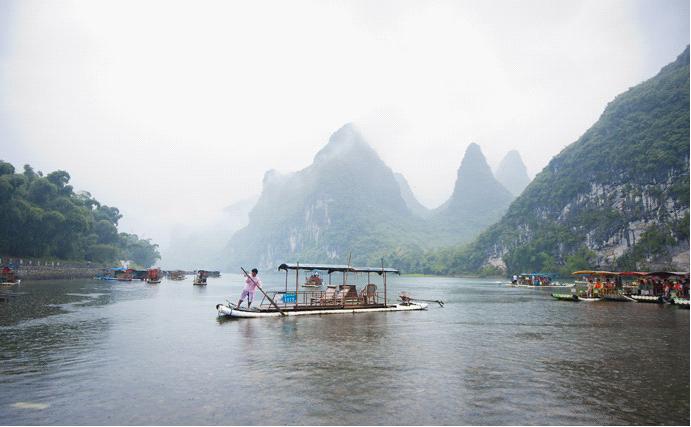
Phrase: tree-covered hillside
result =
(616, 198)
(346, 202)
(42, 216)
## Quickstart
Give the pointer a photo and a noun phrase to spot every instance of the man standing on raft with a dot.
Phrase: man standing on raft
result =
(251, 284)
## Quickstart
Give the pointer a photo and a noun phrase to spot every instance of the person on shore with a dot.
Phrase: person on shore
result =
(251, 283)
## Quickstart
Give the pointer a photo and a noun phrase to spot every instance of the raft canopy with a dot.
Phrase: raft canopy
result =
(662, 274)
(330, 268)
(666, 274)
(594, 273)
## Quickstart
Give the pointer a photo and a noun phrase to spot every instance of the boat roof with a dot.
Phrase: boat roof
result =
(337, 267)
(630, 273)
(595, 273)
(668, 273)
(378, 270)
(633, 273)
(534, 274)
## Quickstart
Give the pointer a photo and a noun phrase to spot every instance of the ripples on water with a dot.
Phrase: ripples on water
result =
(90, 352)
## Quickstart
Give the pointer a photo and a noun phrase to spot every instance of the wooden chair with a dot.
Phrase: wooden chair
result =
(329, 297)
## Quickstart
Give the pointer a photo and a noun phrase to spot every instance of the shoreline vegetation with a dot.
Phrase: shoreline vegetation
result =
(42, 217)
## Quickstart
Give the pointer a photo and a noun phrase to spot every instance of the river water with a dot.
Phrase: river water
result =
(96, 352)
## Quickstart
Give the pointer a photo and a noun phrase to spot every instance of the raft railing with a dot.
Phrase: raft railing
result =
(315, 298)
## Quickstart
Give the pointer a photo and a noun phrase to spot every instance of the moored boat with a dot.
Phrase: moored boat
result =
(176, 275)
(153, 276)
(536, 280)
(122, 274)
(8, 276)
(555, 285)
(313, 281)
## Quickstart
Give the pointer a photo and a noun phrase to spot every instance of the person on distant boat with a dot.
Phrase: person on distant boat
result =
(598, 286)
(678, 289)
(251, 284)
(514, 279)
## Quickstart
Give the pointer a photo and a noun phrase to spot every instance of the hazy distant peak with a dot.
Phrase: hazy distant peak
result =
(512, 173)
(346, 141)
(347, 132)
(474, 163)
(513, 156)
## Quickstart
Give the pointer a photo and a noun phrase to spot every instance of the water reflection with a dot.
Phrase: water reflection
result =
(491, 356)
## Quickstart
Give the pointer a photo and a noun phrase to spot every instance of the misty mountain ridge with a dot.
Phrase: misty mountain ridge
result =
(349, 201)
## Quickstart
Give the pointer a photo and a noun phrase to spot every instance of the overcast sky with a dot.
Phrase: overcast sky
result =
(172, 110)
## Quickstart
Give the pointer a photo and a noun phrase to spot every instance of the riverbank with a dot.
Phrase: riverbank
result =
(38, 269)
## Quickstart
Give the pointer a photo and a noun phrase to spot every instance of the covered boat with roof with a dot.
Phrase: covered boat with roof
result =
(341, 298)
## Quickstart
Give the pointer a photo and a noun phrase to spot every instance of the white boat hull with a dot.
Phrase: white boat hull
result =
(569, 285)
(226, 311)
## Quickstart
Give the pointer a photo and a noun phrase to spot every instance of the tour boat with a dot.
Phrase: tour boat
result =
(555, 285)
(313, 281)
(8, 277)
(536, 281)
(176, 275)
(200, 278)
(343, 298)
(153, 276)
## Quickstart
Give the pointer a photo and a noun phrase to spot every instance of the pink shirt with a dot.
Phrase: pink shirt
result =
(251, 283)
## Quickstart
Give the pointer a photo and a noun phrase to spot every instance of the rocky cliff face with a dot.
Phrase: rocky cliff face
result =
(512, 173)
(616, 198)
(347, 201)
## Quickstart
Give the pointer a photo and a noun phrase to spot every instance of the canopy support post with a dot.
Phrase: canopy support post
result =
(386, 303)
(297, 280)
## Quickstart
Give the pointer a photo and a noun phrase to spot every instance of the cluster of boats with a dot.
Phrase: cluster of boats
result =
(155, 275)
(660, 287)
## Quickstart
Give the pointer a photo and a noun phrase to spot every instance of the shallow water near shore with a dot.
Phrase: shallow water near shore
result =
(97, 352)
